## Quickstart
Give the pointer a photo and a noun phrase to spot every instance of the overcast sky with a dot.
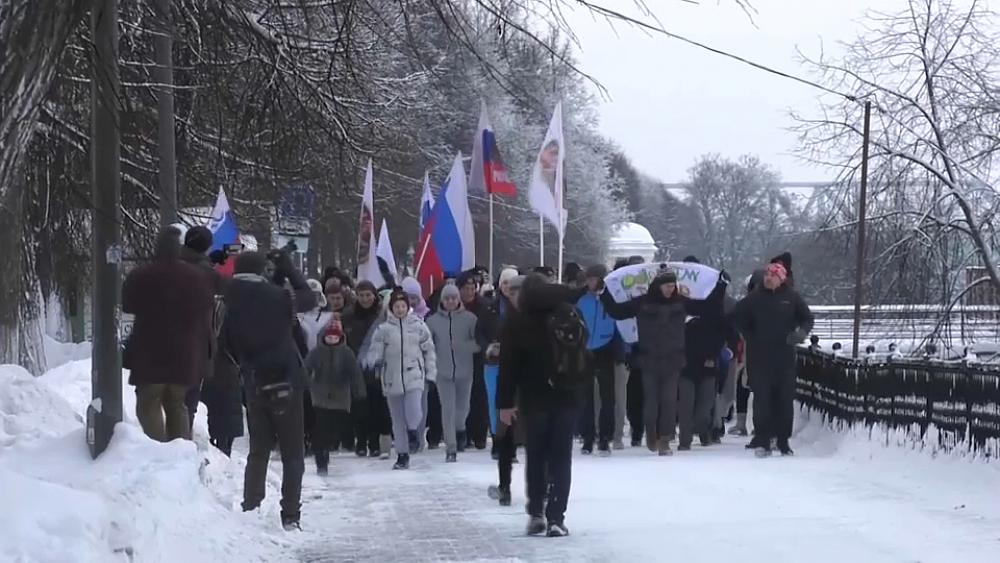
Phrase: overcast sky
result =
(672, 102)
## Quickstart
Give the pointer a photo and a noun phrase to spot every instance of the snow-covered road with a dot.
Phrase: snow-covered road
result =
(832, 502)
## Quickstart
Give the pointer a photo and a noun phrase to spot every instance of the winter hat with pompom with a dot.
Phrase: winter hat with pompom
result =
(411, 286)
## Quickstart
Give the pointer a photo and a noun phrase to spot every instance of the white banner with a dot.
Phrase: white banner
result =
(696, 281)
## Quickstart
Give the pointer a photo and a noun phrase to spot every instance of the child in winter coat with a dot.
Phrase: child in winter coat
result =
(335, 381)
(402, 350)
(454, 332)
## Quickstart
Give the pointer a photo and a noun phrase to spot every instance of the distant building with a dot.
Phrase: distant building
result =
(631, 239)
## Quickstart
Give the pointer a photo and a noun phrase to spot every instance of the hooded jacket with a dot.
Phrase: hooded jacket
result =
(358, 322)
(769, 321)
(313, 323)
(334, 375)
(600, 326)
(403, 352)
(455, 342)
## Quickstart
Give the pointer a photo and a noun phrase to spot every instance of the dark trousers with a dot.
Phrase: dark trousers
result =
(634, 403)
(604, 373)
(549, 467)
(267, 428)
(328, 428)
(373, 420)
(697, 398)
(477, 424)
(742, 396)
(506, 447)
(434, 431)
(773, 407)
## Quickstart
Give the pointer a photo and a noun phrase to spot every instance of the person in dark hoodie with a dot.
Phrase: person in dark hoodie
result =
(371, 415)
(785, 259)
(335, 383)
(773, 320)
(549, 413)
(260, 335)
(705, 336)
(661, 350)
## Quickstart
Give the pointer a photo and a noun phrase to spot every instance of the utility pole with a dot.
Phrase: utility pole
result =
(859, 271)
(106, 375)
(163, 75)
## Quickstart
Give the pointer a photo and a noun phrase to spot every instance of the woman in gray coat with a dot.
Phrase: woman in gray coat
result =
(403, 351)
(454, 332)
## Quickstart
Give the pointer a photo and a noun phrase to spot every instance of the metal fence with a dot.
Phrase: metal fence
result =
(961, 401)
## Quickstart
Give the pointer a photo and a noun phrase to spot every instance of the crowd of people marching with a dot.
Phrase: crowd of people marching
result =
(532, 362)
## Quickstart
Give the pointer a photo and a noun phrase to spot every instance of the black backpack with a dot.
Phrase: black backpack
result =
(567, 336)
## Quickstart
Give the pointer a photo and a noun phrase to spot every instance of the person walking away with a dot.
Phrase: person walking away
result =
(197, 242)
(402, 349)
(601, 330)
(173, 304)
(660, 352)
(543, 373)
(371, 415)
(335, 383)
(262, 336)
(478, 422)
(774, 320)
(454, 332)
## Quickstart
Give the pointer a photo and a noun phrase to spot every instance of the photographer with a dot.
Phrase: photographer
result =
(262, 336)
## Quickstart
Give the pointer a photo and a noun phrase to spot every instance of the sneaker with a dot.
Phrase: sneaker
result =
(618, 445)
(762, 452)
(536, 526)
(450, 457)
(636, 443)
(433, 445)
(322, 471)
(604, 449)
(495, 455)
(374, 453)
(663, 449)
(402, 462)
(651, 442)
(361, 451)
(414, 440)
(462, 438)
(557, 530)
(784, 448)
(503, 495)
(481, 445)
(705, 439)
(587, 449)
(684, 448)
(290, 522)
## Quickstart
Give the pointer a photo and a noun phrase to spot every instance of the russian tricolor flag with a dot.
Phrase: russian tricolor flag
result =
(224, 230)
(488, 173)
(447, 243)
(426, 203)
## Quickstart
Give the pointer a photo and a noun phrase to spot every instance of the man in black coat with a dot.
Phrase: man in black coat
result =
(549, 414)
(371, 414)
(259, 328)
(773, 319)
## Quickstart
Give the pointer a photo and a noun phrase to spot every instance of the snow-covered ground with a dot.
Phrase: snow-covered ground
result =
(845, 496)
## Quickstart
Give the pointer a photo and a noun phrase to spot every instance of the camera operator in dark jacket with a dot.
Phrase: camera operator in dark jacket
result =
(260, 334)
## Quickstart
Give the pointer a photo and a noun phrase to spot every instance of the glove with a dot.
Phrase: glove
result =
(798, 336)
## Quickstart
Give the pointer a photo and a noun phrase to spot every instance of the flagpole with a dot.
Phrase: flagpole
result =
(562, 230)
(423, 252)
(491, 236)
(541, 240)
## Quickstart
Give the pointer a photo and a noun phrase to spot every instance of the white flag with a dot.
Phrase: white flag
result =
(384, 250)
(546, 190)
(367, 264)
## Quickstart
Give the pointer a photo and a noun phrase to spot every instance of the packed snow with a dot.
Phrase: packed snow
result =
(860, 495)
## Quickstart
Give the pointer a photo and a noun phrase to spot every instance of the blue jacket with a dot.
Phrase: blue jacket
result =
(601, 328)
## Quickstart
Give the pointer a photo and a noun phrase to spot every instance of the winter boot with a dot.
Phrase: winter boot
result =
(651, 442)
(481, 444)
(504, 496)
(557, 530)
(762, 451)
(462, 438)
(290, 522)
(450, 457)
(740, 429)
(361, 450)
(536, 526)
(414, 440)
(706, 439)
(684, 447)
(402, 462)
(784, 448)
(663, 448)
(717, 434)
(618, 445)
(757, 442)
(384, 446)
(587, 448)
(322, 462)
(604, 448)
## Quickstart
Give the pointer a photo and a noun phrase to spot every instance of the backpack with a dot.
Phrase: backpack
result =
(567, 336)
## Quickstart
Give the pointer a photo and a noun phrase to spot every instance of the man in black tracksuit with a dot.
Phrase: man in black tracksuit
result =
(773, 319)
(548, 413)
(259, 334)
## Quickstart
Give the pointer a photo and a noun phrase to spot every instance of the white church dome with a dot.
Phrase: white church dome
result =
(631, 239)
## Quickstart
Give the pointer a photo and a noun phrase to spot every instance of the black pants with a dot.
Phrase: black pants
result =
(287, 430)
(434, 431)
(549, 468)
(636, 398)
(477, 424)
(742, 396)
(697, 399)
(506, 447)
(373, 420)
(328, 429)
(773, 407)
(604, 372)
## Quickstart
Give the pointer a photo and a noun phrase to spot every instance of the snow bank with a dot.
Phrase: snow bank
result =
(59, 353)
(140, 501)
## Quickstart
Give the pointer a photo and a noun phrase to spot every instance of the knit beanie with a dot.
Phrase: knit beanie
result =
(599, 271)
(198, 239)
(251, 263)
(398, 294)
(450, 291)
(412, 287)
